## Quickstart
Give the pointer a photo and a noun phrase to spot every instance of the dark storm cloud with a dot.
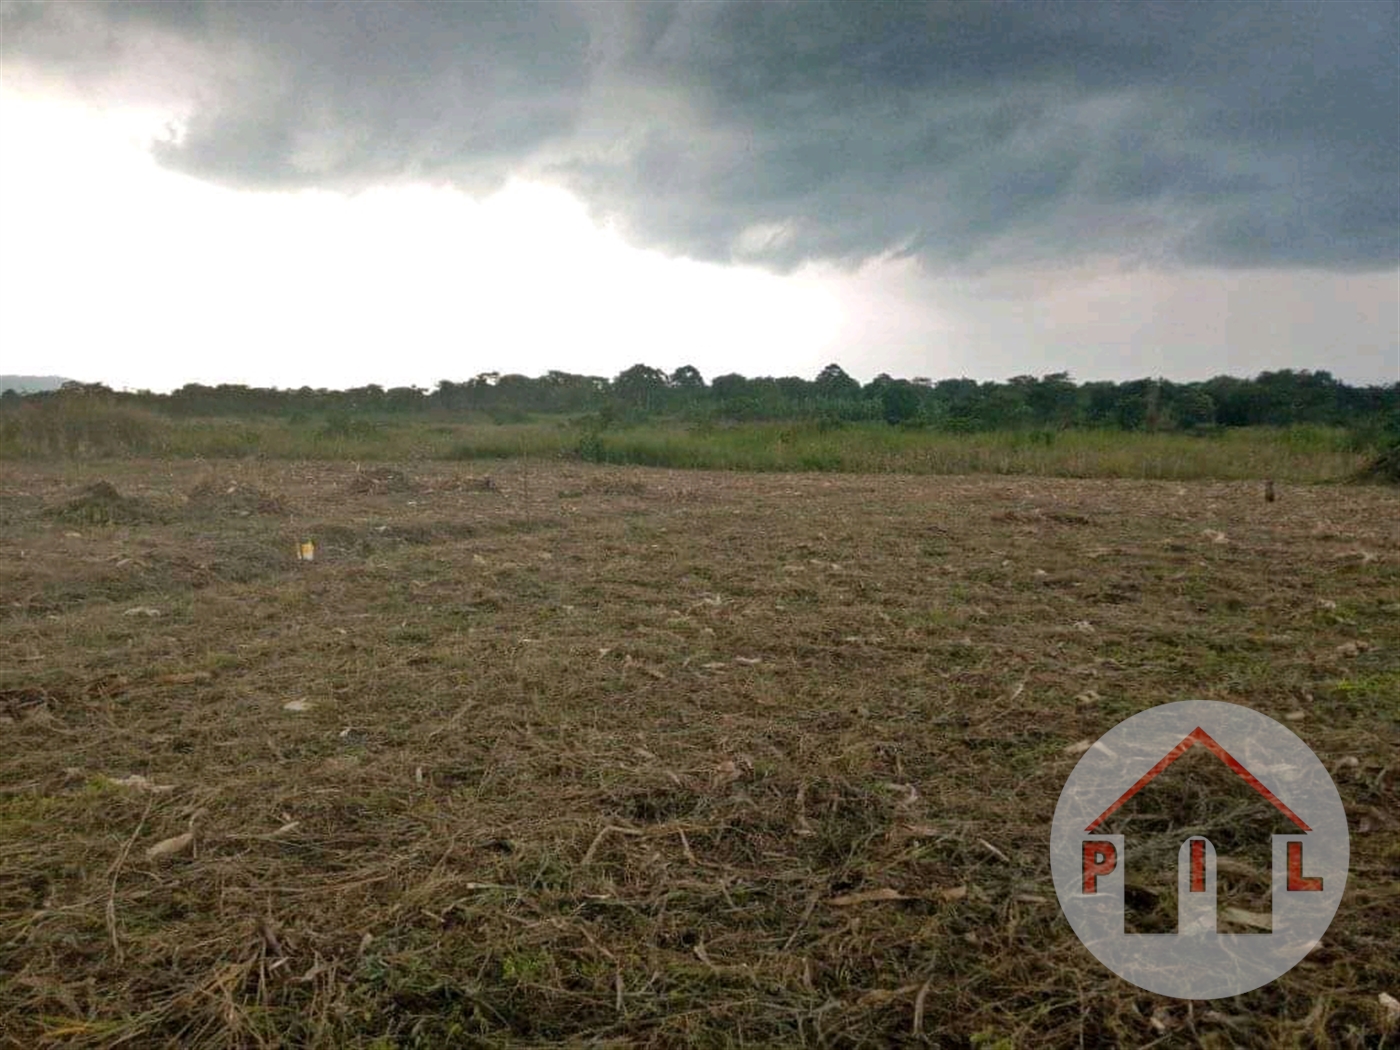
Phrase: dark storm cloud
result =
(963, 133)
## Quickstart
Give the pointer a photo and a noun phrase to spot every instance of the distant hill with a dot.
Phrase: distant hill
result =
(31, 384)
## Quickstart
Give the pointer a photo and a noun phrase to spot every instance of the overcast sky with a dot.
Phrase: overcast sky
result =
(343, 193)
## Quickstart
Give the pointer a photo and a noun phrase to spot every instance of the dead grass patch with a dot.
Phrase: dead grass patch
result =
(758, 760)
(463, 483)
(101, 504)
(212, 498)
(379, 480)
(1384, 468)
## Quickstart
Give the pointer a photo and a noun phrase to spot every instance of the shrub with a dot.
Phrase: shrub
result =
(341, 425)
(80, 426)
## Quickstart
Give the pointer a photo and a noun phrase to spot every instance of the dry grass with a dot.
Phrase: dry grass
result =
(644, 758)
(1385, 467)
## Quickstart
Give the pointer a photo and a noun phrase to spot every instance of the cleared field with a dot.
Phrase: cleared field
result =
(644, 757)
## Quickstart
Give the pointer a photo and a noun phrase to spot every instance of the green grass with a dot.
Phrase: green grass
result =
(379, 440)
(97, 430)
(1299, 454)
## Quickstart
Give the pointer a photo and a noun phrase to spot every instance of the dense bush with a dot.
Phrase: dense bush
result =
(81, 427)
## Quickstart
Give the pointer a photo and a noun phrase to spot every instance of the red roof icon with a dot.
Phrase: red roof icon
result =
(1199, 736)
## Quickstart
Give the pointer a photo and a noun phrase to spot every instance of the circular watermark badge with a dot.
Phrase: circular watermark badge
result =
(1267, 768)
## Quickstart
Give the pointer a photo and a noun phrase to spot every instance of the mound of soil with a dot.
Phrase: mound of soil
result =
(1384, 468)
(241, 501)
(380, 480)
(101, 504)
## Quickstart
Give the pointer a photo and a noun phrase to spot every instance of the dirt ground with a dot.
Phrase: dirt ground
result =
(645, 758)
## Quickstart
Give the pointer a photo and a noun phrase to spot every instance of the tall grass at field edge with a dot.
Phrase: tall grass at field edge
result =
(95, 430)
(1297, 454)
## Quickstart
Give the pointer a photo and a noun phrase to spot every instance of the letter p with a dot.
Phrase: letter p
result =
(1100, 858)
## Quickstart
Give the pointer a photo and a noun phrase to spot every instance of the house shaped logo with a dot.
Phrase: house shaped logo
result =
(1309, 859)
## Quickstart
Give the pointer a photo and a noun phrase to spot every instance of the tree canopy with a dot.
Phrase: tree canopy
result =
(1055, 400)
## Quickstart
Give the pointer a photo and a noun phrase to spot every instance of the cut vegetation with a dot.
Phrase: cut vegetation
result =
(643, 757)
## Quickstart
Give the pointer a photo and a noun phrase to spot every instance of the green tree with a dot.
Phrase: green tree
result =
(900, 401)
(687, 378)
(729, 387)
(1053, 399)
(641, 387)
(1193, 407)
(833, 383)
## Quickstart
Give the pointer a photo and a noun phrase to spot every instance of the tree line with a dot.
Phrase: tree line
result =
(1278, 398)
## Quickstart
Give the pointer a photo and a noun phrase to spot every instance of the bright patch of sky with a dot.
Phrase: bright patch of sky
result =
(113, 268)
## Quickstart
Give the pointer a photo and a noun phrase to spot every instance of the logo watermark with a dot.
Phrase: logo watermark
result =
(1309, 868)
